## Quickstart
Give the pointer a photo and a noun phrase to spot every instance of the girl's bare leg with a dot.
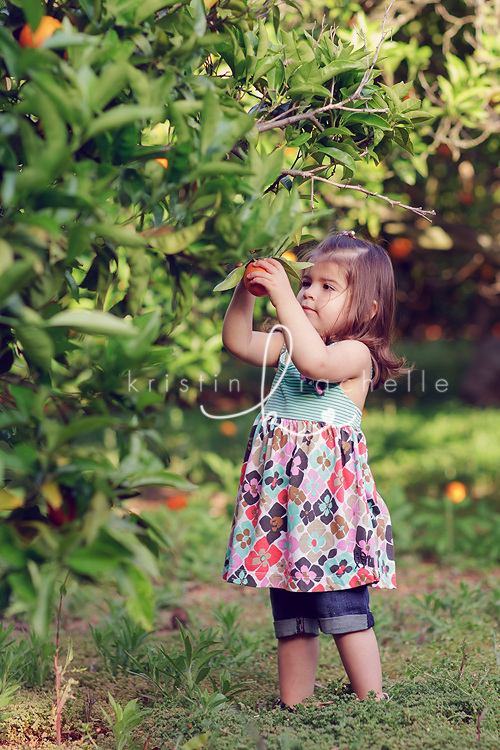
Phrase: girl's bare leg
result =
(297, 663)
(361, 660)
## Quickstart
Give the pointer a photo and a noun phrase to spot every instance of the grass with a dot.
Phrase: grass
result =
(439, 632)
(438, 635)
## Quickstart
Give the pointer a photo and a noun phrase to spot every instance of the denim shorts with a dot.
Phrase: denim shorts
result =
(334, 612)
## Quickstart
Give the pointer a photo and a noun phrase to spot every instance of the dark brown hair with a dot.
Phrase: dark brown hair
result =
(369, 277)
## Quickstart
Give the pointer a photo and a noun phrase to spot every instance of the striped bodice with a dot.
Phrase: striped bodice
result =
(293, 397)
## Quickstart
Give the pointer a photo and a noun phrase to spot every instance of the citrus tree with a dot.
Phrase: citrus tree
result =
(448, 273)
(144, 145)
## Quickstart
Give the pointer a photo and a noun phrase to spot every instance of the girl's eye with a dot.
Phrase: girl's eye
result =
(305, 282)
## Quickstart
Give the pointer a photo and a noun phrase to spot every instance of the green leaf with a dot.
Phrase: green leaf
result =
(293, 267)
(231, 280)
(91, 321)
(75, 291)
(118, 117)
(24, 397)
(196, 742)
(200, 20)
(264, 66)
(339, 66)
(135, 585)
(210, 117)
(147, 8)
(336, 131)
(109, 84)
(402, 138)
(22, 585)
(375, 121)
(15, 278)
(94, 561)
(96, 516)
(308, 90)
(402, 89)
(339, 156)
(218, 168)
(175, 242)
(44, 584)
(78, 239)
(38, 347)
(81, 426)
(419, 116)
(262, 48)
(33, 12)
(161, 479)
(394, 100)
(122, 235)
(300, 140)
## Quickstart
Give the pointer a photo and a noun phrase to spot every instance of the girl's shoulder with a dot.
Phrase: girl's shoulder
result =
(353, 355)
(352, 346)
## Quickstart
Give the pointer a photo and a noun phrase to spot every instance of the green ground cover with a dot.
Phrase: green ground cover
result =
(438, 635)
(215, 684)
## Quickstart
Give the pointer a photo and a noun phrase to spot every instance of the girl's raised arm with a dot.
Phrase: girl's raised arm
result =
(241, 340)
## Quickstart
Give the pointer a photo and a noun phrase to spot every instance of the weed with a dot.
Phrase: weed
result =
(119, 642)
(239, 646)
(180, 671)
(180, 674)
(64, 686)
(27, 661)
(7, 695)
(123, 720)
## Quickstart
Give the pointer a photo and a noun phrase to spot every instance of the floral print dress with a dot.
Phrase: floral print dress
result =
(308, 516)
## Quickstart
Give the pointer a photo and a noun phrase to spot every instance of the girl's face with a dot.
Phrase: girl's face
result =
(325, 297)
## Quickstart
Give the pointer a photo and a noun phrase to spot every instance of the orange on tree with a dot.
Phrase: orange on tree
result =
(45, 29)
(228, 428)
(177, 501)
(400, 247)
(456, 491)
(163, 162)
(253, 286)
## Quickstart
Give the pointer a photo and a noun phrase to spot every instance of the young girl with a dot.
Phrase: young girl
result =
(309, 523)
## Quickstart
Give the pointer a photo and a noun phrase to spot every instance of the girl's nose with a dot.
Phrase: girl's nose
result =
(308, 292)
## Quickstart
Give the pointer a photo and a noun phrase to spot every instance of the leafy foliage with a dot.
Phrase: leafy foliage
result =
(447, 274)
(123, 720)
(137, 142)
(119, 642)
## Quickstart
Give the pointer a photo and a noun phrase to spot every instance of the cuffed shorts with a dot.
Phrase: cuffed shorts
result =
(333, 612)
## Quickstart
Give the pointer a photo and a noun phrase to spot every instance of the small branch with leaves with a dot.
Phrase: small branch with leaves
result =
(282, 122)
(313, 176)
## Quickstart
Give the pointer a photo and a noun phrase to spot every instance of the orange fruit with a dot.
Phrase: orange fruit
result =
(456, 492)
(176, 502)
(163, 162)
(228, 428)
(400, 247)
(45, 29)
(253, 286)
(289, 255)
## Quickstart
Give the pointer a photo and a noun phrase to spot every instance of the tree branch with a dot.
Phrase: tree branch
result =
(424, 213)
(282, 122)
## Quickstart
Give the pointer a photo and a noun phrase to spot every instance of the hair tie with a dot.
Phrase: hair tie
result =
(346, 233)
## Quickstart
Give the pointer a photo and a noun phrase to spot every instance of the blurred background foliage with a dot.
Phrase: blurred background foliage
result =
(145, 148)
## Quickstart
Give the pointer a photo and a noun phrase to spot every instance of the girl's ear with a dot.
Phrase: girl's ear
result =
(373, 311)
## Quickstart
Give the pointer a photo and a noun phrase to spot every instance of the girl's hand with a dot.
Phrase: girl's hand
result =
(274, 279)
